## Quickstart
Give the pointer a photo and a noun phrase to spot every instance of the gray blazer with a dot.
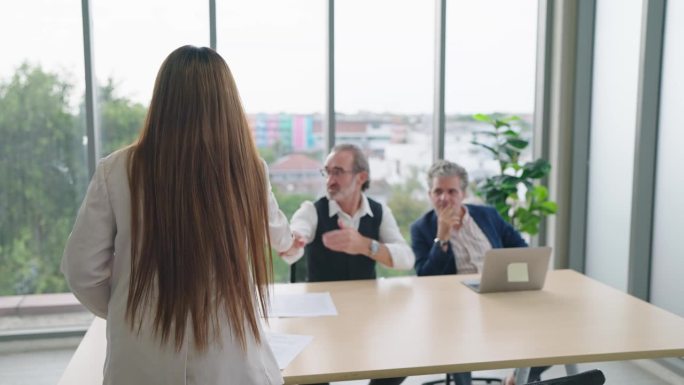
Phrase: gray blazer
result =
(97, 262)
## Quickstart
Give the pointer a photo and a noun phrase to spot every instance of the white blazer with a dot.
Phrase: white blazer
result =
(97, 266)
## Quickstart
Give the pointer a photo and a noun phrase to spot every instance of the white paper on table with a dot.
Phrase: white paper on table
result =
(302, 305)
(285, 347)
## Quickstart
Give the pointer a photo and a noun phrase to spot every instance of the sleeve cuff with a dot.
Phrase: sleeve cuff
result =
(402, 256)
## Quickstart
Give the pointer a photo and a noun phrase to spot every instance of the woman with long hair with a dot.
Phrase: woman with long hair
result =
(172, 244)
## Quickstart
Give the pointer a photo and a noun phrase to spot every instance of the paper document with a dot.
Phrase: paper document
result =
(285, 347)
(302, 305)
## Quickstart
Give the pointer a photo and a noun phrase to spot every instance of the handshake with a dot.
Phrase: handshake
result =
(298, 243)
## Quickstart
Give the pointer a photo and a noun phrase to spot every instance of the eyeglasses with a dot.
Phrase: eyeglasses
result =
(452, 192)
(335, 171)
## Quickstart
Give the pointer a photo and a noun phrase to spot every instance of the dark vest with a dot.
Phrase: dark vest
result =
(324, 264)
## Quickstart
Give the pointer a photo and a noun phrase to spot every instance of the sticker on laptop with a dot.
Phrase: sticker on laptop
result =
(518, 272)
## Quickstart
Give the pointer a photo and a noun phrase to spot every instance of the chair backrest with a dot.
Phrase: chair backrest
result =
(590, 377)
(298, 271)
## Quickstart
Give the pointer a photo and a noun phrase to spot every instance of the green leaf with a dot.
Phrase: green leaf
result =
(505, 183)
(502, 208)
(488, 133)
(495, 197)
(537, 169)
(531, 224)
(549, 207)
(509, 119)
(491, 149)
(529, 229)
(511, 133)
(500, 123)
(522, 214)
(483, 118)
(517, 143)
(540, 193)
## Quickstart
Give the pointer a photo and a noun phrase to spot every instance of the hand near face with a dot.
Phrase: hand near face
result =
(448, 217)
(447, 194)
(346, 239)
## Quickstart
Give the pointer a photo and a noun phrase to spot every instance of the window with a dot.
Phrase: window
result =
(668, 266)
(384, 80)
(613, 128)
(129, 49)
(276, 51)
(42, 152)
(490, 68)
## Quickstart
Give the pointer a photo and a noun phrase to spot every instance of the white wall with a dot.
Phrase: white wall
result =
(613, 125)
(667, 273)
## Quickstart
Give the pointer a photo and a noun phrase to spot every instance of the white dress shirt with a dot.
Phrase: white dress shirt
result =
(305, 221)
(97, 266)
(470, 245)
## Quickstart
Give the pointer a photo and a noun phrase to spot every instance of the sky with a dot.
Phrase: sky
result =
(384, 49)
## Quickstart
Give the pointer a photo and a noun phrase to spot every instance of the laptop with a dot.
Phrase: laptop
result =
(512, 269)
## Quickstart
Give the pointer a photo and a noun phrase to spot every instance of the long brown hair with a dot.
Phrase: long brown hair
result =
(199, 207)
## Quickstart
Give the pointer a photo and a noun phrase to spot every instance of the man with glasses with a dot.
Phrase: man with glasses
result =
(344, 233)
(453, 237)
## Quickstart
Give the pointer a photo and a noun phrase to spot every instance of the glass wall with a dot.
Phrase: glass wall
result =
(490, 57)
(667, 288)
(613, 125)
(42, 153)
(276, 51)
(383, 94)
(384, 97)
(490, 69)
(128, 51)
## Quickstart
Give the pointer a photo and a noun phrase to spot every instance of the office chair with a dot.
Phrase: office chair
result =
(590, 377)
(298, 271)
(447, 380)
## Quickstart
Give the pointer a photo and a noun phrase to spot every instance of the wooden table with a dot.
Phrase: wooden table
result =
(425, 325)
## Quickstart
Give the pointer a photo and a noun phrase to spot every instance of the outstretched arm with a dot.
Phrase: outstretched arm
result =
(303, 224)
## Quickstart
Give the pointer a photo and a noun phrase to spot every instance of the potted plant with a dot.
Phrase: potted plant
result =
(514, 191)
